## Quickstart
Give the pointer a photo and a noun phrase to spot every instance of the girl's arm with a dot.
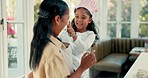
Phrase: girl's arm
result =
(84, 44)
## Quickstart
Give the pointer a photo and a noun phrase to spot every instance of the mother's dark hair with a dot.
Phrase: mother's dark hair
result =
(43, 28)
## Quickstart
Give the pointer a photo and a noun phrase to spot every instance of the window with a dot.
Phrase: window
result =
(143, 17)
(71, 4)
(36, 8)
(118, 18)
(15, 37)
(124, 18)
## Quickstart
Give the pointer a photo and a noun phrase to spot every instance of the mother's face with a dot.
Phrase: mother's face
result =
(60, 23)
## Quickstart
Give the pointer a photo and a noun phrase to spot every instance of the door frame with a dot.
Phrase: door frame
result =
(3, 42)
(28, 6)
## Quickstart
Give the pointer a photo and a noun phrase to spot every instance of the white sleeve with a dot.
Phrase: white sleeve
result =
(83, 45)
(61, 35)
(67, 54)
(64, 36)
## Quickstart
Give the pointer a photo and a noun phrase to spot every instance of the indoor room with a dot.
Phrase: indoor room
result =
(120, 42)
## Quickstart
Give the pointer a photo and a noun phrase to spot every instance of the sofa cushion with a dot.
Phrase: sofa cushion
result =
(98, 51)
(121, 45)
(102, 48)
(112, 63)
(138, 42)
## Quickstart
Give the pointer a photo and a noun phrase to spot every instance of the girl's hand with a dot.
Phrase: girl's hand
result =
(71, 31)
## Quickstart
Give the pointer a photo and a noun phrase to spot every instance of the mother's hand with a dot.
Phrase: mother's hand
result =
(87, 60)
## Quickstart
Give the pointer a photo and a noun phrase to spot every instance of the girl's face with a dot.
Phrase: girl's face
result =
(82, 19)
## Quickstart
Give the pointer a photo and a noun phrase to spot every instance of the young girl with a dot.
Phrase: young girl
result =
(81, 35)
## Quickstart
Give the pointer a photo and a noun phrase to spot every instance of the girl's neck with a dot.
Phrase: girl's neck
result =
(81, 31)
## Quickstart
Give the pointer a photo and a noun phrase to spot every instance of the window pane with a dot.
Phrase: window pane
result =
(112, 9)
(12, 46)
(11, 9)
(111, 30)
(143, 30)
(126, 10)
(15, 33)
(36, 8)
(144, 10)
(14, 10)
(96, 15)
(125, 30)
(15, 50)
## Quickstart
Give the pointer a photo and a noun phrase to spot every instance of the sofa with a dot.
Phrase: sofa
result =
(113, 54)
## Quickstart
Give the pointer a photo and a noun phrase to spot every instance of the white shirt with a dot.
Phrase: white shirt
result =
(79, 46)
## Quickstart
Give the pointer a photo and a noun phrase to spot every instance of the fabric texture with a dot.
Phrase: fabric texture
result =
(90, 5)
(52, 64)
(112, 62)
(79, 46)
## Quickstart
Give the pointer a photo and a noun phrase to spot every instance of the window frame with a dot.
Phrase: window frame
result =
(135, 23)
(28, 22)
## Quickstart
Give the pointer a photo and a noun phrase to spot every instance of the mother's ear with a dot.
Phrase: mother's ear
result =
(57, 19)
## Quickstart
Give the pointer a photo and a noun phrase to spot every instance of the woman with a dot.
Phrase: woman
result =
(46, 56)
